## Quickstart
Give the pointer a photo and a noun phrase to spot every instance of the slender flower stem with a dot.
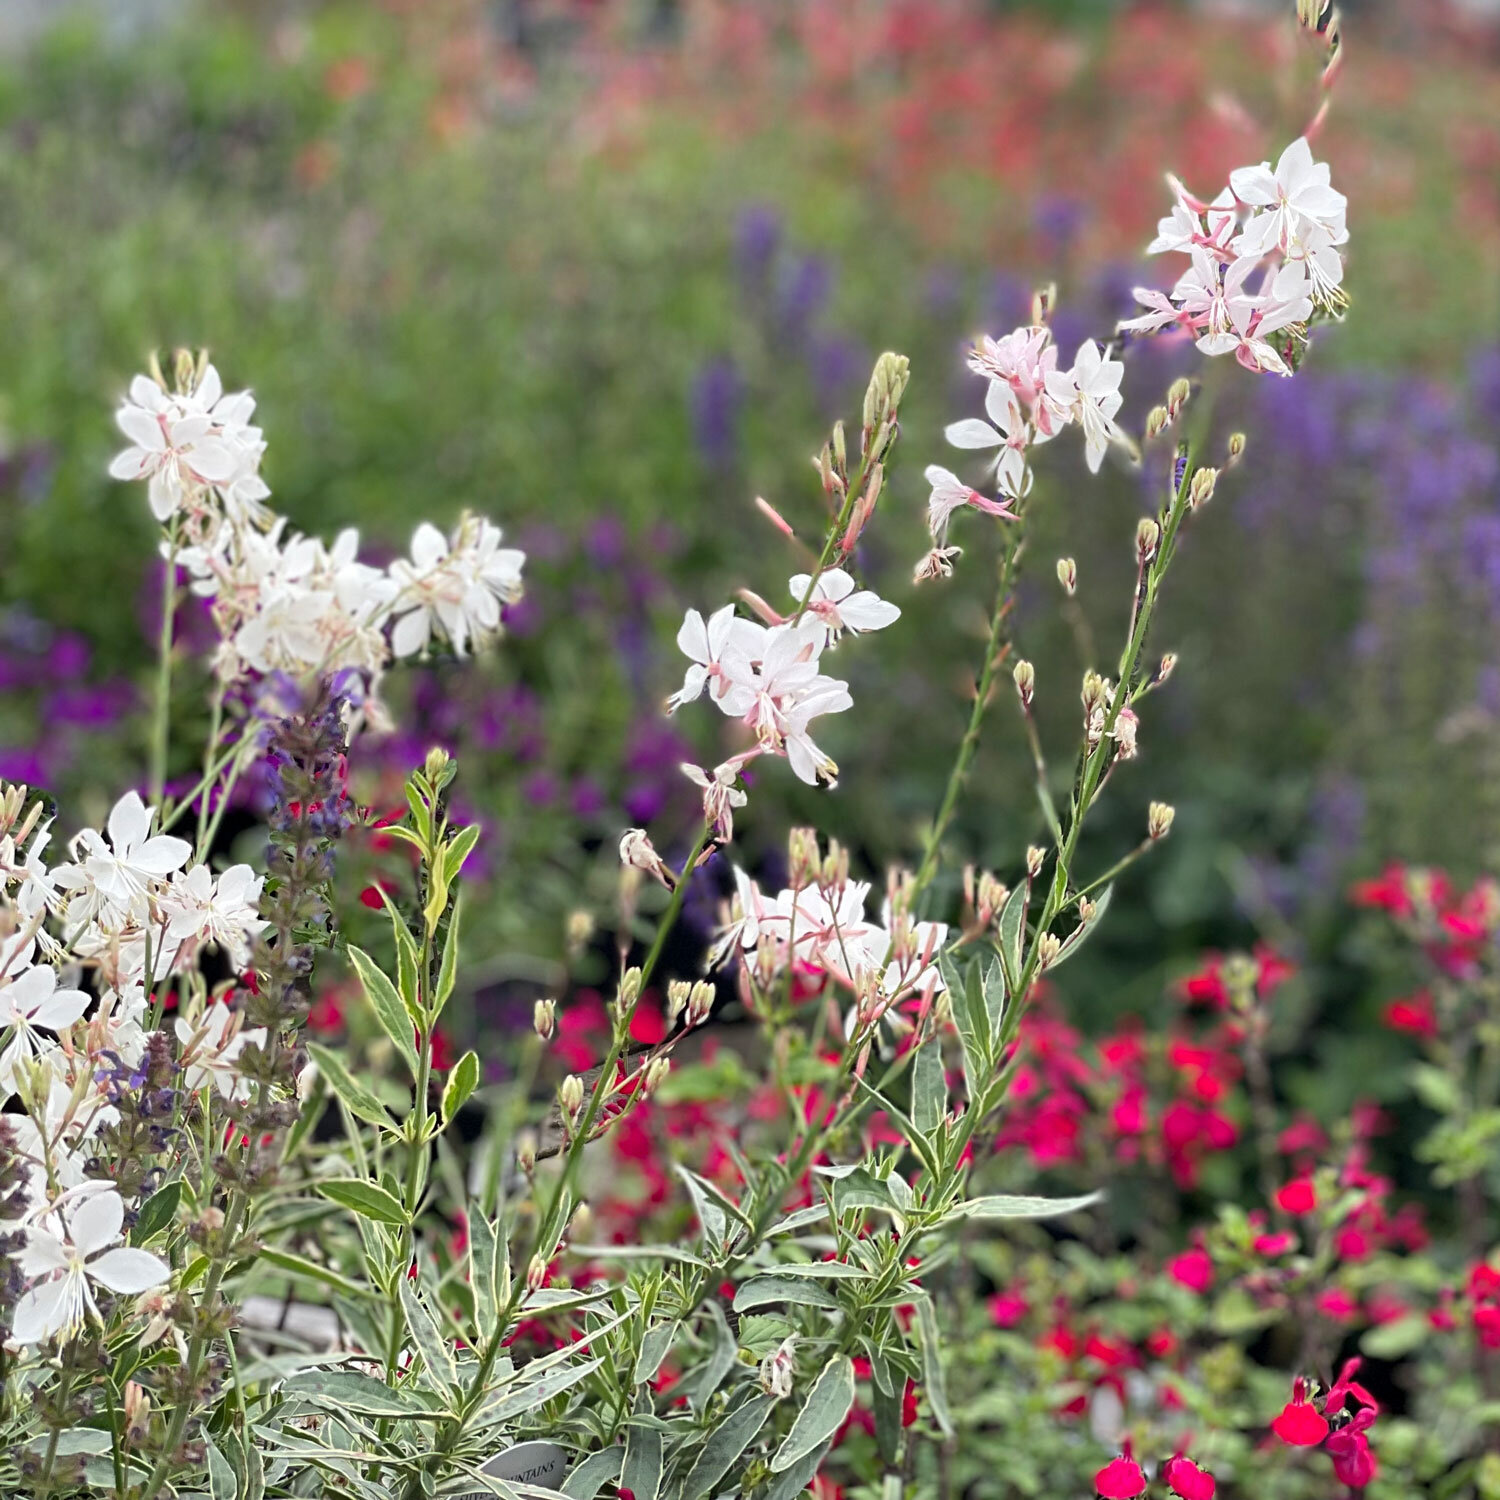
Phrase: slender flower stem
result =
(161, 708)
(995, 651)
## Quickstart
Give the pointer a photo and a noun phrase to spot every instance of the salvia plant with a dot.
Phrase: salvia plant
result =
(240, 1265)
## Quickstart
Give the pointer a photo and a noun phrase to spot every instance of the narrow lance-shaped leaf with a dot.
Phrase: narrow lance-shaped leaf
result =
(1022, 1206)
(929, 1088)
(725, 1444)
(932, 1363)
(365, 1199)
(360, 1101)
(822, 1414)
(462, 1082)
(387, 1005)
(431, 1345)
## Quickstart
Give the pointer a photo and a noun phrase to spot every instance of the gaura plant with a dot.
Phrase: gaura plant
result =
(178, 1158)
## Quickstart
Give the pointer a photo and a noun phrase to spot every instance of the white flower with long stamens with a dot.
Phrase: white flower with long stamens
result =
(720, 795)
(453, 589)
(30, 998)
(1010, 434)
(1022, 360)
(720, 651)
(115, 879)
(1183, 229)
(840, 605)
(175, 445)
(748, 913)
(71, 1254)
(789, 692)
(1089, 394)
(223, 912)
(211, 1050)
(1295, 203)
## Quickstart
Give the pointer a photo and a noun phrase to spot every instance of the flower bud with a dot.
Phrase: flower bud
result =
(579, 931)
(1159, 820)
(526, 1151)
(887, 386)
(654, 1074)
(1158, 419)
(1167, 667)
(1025, 678)
(544, 1019)
(835, 871)
(1048, 946)
(1034, 857)
(536, 1274)
(1043, 300)
(1236, 447)
(677, 999)
(438, 768)
(776, 1371)
(1201, 490)
(629, 991)
(700, 1002)
(307, 1081)
(1086, 909)
(1310, 12)
(1067, 575)
(840, 450)
(1094, 690)
(1177, 395)
(137, 1411)
(1147, 537)
(803, 857)
(637, 852)
(581, 1222)
(570, 1095)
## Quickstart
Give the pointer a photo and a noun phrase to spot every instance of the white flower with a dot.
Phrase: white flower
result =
(1182, 229)
(1297, 203)
(225, 912)
(115, 879)
(174, 444)
(1009, 434)
(1089, 394)
(456, 589)
(838, 605)
(30, 998)
(720, 795)
(789, 692)
(950, 493)
(720, 650)
(1022, 359)
(66, 1262)
(211, 1049)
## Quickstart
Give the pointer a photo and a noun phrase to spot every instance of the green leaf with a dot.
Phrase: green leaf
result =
(435, 1350)
(1021, 1206)
(361, 1102)
(700, 1385)
(761, 1291)
(1012, 933)
(310, 1270)
(387, 1005)
(970, 1019)
(725, 1444)
(793, 1481)
(448, 970)
(348, 1390)
(929, 1086)
(656, 1344)
(597, 1470)
(458, 850)
(462, 1082)
(641, 1471)
(712, 1219)
(862, 1189)
(1080, 934)
(514, 1400)
(932, 1363)
(156, 1213)
(485, 1252)
(308, 1115)
(822, 1414)
(365, 1199)
(222, 1484)
(1398, 1338)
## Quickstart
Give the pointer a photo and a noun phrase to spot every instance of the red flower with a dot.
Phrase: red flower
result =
(1007, 1309)
(1349, 1448)
(1487, 1326)
(1299, 1422)
(1193, 1269)
(1298, 1196)
(1186, 1479)
(1272, 1245)
(1388, 893)
(1413, 1015)
(1121, 1478)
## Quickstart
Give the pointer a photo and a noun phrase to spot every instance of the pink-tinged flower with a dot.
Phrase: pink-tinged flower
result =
(1186, 1480)
(67, 1255)
(1298, 1196)
(1299, 1423)
(1193, 1269)
(840, 605)
(720, 651)
(1009, 434)
(1273, 1245)
(950, 493)
(1390, 892)
(1486, 1321)
(1008, 1308)
(1183, 228)
(1297, 203)
(1161, 312)
(1121, 1478)
(173, 446)
(1022, 359)
(1088, 394)
(721, 795)
(1337, 1304)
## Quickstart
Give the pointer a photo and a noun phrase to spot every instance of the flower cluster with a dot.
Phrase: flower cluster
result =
(283, 602)
(1285, 226)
